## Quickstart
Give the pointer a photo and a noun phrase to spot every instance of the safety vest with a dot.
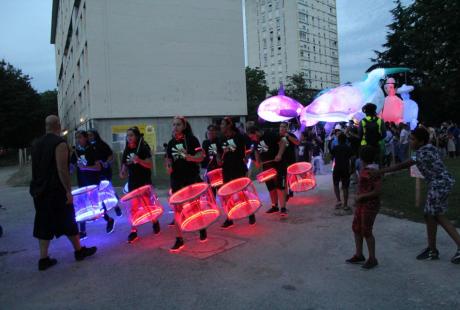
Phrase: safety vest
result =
(363, 123)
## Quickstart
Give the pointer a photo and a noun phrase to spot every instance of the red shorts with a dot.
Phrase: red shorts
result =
(363, 222)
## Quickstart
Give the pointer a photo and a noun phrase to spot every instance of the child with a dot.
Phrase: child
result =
(367, 207)
(439, 184)
(342, 154)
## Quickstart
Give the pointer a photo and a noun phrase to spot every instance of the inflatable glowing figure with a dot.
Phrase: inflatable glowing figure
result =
(342, 103)
(410, 106)
(393, 108)
(279, 108)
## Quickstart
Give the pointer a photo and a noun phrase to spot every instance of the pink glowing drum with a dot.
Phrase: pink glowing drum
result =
(195, 207)
(142, 205)
(215, 177)
(86, 203)
(239, 198)
(300, 177)
(266, 175)
(107, 196)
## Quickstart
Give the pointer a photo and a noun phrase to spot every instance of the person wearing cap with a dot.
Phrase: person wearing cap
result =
(372, 130)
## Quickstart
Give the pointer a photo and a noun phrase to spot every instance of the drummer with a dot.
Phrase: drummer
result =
(105, 156)
(269, 152)
(211, 147)
(233, 158)
(289, 156)
(85, 160)
(184, 154)
(137, 166)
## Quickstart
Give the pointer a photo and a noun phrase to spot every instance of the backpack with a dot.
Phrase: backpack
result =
(371, 129)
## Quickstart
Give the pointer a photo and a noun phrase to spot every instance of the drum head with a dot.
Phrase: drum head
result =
(83, 190)
(300, 167)
(234, 186)
(188, 193)
(137, 192)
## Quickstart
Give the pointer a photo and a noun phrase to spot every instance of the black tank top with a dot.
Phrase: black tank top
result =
(45, 177)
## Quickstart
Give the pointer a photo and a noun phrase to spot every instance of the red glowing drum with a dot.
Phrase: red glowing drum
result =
(266, 175)
(195, 207)
(142, 205)
(86, 203)
(107, 196)
(300, 177)
(239, 198)
(215, 177)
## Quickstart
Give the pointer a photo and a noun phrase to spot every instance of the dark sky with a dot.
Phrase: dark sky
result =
(25, 36)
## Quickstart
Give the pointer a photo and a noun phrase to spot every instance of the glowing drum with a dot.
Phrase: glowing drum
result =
(215, 177)
(239, 198)
(266, 175)
(107, 196)
(300, 177)
(195, 207)
(86, 203)
(142, 205)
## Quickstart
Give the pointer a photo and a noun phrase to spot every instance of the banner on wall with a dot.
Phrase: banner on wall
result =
(119, 136)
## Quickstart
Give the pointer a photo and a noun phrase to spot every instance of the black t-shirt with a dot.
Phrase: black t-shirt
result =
(304, 150)
(268, 146)
(355, 142)
(176, 153)
(103, 152)
(289, 154)
(138, 174)
(342, 154)
(316, 149)
(45, 178)
(86, 156)
(211, 149)
(234, 154)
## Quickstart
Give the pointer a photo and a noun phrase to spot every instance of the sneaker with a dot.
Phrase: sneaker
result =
(369, 264)
(427, 254)
(356, 259)
(228, 223)
(283, 212)
(156, 227)
(272, 210)
(203, 235)
(347, 210)
(83, 235)
(132, 237)
(252, 219)
(45, 263)
(110, 226)
(178, 245)
(117, 211)
(456, 258)
(338, 205)
(84, 252)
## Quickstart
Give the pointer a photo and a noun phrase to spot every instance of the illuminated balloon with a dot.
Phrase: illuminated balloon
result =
(393, 108)
(410, 106)
(342, 103)
(279, 108)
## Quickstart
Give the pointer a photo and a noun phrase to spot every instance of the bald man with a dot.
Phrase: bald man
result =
(51, 191)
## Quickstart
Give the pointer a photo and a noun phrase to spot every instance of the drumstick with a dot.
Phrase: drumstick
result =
(139, 145)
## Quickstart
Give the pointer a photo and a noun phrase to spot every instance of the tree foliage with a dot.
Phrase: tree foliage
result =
(22, 109)
(297, 89)
(256, 90)
(425, 36)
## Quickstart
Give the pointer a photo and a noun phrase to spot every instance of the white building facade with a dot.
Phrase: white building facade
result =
(124, 62)
(285, 37)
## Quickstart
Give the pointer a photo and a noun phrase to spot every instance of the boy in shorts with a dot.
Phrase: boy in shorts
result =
(367, 207)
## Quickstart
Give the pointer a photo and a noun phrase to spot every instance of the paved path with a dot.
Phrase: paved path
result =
(293, 263)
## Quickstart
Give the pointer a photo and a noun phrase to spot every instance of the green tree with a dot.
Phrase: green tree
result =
(425, 36)
(256, 90)
(297, 89)
(22, 109)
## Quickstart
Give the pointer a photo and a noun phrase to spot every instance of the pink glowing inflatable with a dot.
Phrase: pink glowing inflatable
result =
(279, 108)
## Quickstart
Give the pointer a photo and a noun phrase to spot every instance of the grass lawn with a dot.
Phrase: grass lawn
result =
(398, 197)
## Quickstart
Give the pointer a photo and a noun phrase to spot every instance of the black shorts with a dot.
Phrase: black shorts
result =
(230, 175)
(53, 217)
(280, 181)
(341, 177)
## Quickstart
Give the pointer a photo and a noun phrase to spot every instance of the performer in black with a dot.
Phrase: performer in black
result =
(137, 166)
(51, 191)
(85, 160)
(211, 147)
(269, 153)
(289, 155)
(184, 154)
(105, 156)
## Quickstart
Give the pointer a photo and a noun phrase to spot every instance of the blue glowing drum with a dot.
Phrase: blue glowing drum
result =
(107, 195)
(86, 203)
(142, 205)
